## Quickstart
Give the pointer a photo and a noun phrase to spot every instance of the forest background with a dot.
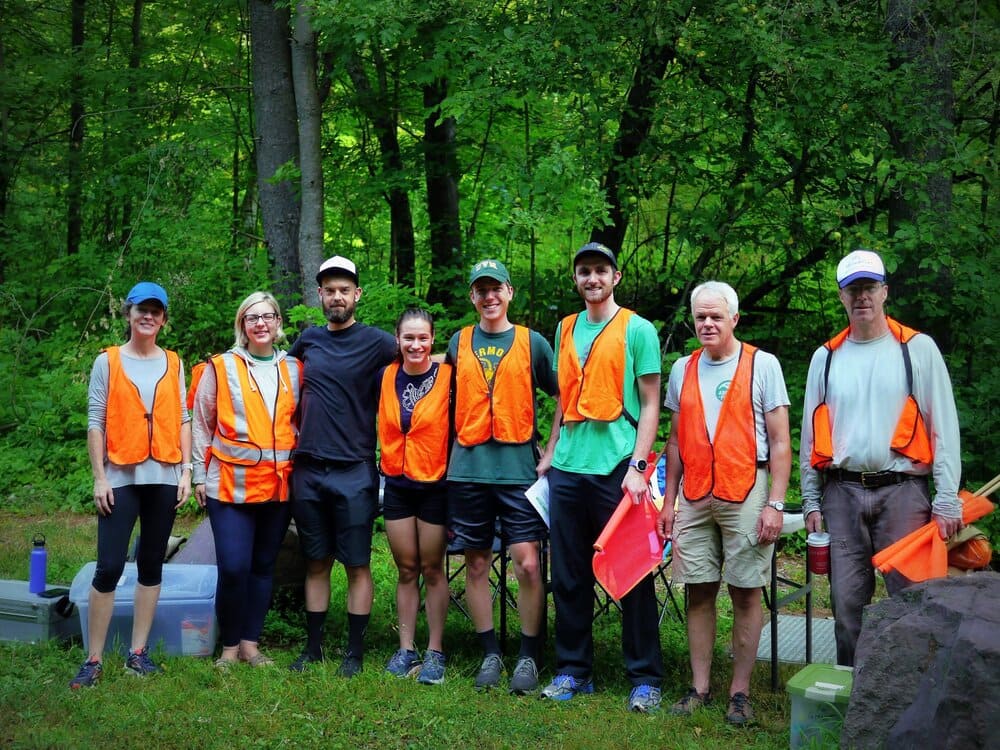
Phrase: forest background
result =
(223, 146)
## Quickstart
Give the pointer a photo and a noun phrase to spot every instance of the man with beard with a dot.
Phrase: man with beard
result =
(335, 481)
(608, 365)
(879, 419)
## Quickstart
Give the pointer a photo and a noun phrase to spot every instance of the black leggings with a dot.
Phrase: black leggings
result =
(153, 505)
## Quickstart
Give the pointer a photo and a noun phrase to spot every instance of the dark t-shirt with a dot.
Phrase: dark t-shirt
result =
(340, 390)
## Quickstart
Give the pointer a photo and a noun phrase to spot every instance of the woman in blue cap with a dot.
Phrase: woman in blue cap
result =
(139, 442)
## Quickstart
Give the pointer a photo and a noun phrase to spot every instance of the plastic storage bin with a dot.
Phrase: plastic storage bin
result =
(820, 694)
(185, 616)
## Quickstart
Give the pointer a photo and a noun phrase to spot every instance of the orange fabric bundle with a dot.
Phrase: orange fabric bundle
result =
(923, 554)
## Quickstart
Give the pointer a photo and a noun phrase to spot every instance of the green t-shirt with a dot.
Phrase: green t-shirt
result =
(493, 462)
(598, 447)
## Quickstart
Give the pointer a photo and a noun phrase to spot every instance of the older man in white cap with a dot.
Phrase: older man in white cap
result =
(879, 419)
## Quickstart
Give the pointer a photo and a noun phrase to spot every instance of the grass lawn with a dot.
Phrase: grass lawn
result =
(193, 705)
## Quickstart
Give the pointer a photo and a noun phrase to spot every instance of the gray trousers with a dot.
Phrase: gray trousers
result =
(862, 522)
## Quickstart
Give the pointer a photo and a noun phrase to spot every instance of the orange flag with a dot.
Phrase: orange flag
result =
(923, 554)
(628, 548)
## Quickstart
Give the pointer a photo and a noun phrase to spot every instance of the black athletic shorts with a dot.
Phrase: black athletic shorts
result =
(473, 509)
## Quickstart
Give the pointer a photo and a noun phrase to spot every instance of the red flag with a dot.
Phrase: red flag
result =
(628, 548)
(923, 554)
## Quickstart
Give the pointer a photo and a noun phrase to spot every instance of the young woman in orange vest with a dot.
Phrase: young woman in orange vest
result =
(139, 443)
(414, 434)
(243, 439)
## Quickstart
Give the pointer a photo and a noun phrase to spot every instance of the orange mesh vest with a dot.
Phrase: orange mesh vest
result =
(421, 453)
(131, 433)
(910, 438)
(196, 372)
(503, 411)
(596, 390)
(727, 466)
(253, 452)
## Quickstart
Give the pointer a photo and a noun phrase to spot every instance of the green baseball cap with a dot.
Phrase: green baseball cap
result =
(489, 269)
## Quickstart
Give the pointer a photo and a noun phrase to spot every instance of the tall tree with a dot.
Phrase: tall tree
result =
(74, 190)
(276, 140)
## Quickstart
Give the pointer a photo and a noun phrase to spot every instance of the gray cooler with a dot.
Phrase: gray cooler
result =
(31, 618)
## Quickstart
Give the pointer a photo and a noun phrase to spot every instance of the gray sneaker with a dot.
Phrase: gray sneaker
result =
(489, 672)
(524, 679)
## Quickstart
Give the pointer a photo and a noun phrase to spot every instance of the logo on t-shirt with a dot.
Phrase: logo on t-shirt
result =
(721, 388)
(413, 393)
(489, 359)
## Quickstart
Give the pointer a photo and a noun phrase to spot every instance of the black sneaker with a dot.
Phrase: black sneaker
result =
(524, 678)
(305, 659)
(89, 674)
(489, 672)
(139, 663)
(350, 665)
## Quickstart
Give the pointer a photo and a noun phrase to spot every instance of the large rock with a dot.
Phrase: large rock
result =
(927, 671)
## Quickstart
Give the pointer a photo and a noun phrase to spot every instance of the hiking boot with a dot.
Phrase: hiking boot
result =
(691, 702)
(305, 659)
(404, 663)
(739, 712)
(524, 679)
(89, 674)
(489, 672)
(432, 670)
(564, 686)
(139, 663)
(644, 699)
(350, 665)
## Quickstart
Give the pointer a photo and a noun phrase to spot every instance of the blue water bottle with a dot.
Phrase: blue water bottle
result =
(39, 561)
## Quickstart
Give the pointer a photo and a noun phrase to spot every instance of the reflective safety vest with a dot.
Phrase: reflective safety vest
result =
(253, 451)
(503, 410)
(420, 453)
(196, 372)
(132, 434)
(910, 438)
(725, 467)
(595, 391)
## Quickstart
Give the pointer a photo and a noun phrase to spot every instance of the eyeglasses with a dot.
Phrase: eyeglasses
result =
(856, 290)
(266, 317)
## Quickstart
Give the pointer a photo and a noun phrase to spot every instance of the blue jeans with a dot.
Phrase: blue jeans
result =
(247, 541)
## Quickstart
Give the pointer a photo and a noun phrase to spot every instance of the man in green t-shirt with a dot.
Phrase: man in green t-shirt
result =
(494, 458)
(608, 364)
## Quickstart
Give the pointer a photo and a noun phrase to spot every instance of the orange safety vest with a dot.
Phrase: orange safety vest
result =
(253, 451)
(420, 453)
(727, 466)
(196, 372)
(130, 432)
(910, 438)
(595, 391)
(503, 411)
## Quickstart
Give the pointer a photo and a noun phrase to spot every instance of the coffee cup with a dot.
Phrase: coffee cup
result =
(818, 552)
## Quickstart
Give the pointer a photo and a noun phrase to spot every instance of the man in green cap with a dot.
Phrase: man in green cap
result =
(498, 367)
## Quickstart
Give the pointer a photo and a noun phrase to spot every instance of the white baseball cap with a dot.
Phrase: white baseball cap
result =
(860, 264)
(338, 265)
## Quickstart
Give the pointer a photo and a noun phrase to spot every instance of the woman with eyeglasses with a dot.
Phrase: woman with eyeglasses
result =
(139, 443)
(244, 434)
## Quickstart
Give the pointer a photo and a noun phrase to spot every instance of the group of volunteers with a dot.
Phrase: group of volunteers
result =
(271, 436)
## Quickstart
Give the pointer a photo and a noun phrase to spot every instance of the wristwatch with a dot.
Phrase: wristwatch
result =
(639, 464)
(778, 505)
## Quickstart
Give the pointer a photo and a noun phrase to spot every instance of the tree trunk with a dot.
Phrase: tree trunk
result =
(381, 109)
(441, 166)
(921, 139)
(310, 150)
(74, 190)
(276, 142)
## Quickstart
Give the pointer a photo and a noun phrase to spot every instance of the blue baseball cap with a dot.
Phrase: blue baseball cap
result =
(147, 290)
